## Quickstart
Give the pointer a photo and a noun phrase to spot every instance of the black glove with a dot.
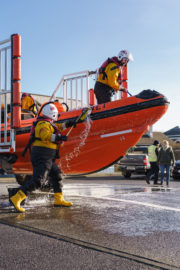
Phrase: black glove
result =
(59, 138)
(70, 123)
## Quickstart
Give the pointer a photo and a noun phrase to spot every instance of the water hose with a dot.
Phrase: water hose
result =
(84, 114)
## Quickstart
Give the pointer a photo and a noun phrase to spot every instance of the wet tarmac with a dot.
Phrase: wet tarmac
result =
(113, 224)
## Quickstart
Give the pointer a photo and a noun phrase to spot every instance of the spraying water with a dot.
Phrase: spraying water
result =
(83, 135)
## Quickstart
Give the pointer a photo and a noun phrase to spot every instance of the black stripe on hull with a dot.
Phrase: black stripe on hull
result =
(112, 112)
(129, 108)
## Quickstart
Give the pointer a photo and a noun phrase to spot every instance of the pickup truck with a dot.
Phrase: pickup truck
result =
(133, 164)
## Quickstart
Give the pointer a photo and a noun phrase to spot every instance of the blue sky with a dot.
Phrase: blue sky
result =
(65, 36)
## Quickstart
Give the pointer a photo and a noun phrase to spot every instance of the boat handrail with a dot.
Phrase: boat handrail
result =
(77, 89)
(5, 41)
(73, 86)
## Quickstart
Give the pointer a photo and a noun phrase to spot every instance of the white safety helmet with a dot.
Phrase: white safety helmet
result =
(50, 111)
(125, 54)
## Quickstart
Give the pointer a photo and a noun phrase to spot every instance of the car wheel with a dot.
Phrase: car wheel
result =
(176, 178)
(127, 174)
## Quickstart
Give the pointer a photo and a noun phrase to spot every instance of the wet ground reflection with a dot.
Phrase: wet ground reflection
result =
(115, 209)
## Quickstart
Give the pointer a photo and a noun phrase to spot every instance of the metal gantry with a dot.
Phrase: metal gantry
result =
(9, 68)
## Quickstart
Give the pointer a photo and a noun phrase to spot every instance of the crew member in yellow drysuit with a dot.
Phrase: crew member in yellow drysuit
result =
(47, 137)
(109, 79)
(28, 103)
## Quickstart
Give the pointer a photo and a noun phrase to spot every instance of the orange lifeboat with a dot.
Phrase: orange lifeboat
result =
(94, 144)
(112, 128)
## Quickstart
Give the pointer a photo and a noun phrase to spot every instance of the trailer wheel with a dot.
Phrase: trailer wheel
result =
(127, 174)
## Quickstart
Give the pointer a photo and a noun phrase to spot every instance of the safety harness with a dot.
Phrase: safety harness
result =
(102, 69)
(32, 137)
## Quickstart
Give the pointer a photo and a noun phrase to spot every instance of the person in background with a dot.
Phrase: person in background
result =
(28, 103)
(166, 159)
(109, 78)
(47, 138)
(5, 113)
(153, 151)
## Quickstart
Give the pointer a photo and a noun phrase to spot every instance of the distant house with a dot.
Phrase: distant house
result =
(173, 134)
(144, 142)
(155, 136)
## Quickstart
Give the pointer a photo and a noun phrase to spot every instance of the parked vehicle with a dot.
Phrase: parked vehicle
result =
(176, 170)
(141, 149)
(134, 164)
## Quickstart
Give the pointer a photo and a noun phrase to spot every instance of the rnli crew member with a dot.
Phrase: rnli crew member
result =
(47, 137)
(28, 103)
(153, 151)
(109, 79)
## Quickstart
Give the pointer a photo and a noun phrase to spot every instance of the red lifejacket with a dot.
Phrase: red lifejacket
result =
(102, 69)
(32, 137)
(41, 118)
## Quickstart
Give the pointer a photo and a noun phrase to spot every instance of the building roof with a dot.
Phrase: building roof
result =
(173, 131)
(160, 137)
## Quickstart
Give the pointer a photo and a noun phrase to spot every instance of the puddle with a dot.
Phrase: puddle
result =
(115, 209)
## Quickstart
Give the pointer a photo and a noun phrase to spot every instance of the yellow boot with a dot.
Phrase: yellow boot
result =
(59, 201)
(17, 199)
